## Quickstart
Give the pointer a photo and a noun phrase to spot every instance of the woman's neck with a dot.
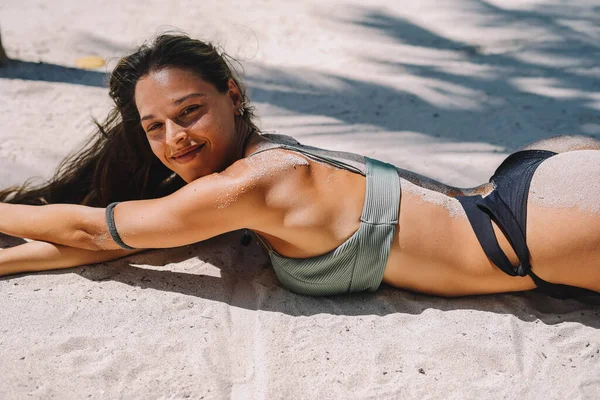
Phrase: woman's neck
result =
(244, 135)
(250, 138)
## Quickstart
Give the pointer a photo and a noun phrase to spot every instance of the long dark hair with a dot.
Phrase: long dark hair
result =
(117, 164)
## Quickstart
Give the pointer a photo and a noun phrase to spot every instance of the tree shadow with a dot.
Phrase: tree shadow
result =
(533, 82)
(31, 71)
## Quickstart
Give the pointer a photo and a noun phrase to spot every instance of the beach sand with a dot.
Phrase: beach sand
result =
(446, 89)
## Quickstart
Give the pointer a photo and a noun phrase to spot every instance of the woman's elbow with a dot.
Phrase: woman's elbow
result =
(92, 241)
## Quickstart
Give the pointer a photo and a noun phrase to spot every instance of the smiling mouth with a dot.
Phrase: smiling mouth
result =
(188, 154)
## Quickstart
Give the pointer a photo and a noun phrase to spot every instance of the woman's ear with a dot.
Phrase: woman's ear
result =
(234, 93)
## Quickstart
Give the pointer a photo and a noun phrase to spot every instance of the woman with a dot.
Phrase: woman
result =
(180, 160)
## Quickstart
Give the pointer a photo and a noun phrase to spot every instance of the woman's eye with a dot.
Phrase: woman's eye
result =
(189, 110)
(152, 127)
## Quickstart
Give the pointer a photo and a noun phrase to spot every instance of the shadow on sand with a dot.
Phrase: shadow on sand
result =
(15, 69)
(247, 281)
(559, 54)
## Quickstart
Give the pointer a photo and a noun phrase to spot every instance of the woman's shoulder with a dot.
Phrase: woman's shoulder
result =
(339, 158)
(356, 163)
(280, 139)
(264, 169)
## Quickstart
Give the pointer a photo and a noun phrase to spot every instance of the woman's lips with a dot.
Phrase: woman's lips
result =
(188, 155)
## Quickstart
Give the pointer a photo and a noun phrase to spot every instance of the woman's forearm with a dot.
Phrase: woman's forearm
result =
(65, 224)
(43, 256)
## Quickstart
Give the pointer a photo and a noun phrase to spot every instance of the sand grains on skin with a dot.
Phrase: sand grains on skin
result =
(452, 205)
(568, 180)
(260, 166)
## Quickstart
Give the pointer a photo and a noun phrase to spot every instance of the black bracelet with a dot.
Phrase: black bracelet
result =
(112, 228)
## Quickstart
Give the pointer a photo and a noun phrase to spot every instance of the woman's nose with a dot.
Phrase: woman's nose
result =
(174, 132)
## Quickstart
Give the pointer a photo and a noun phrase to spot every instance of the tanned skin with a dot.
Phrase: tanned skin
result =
(293, 203)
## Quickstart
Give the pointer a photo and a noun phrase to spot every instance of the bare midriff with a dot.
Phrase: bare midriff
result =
(438, 253)
(435, 251)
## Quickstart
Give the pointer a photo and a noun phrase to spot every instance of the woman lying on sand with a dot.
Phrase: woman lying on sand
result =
(180, 160)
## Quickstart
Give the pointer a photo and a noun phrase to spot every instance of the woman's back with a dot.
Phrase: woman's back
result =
(320, 208)
(435, 249)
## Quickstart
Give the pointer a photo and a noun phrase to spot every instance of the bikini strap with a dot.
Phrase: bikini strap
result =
(317, 157)
(485, 235)
(497, 209)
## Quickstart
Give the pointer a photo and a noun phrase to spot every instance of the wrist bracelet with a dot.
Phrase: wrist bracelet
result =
(112, 228)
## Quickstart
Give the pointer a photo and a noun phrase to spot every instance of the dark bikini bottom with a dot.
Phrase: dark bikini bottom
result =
(506, 205)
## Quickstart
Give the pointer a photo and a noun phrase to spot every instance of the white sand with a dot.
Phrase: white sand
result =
(569, 180)
(451, 204)
(443, 88)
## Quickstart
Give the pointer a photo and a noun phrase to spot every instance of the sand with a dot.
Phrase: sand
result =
(446, 89)
(451, 205)
(569, 180)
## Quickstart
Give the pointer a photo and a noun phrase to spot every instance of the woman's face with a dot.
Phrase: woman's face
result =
(189, 124)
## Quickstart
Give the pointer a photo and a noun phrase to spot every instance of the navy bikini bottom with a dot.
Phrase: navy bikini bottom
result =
(506, 205)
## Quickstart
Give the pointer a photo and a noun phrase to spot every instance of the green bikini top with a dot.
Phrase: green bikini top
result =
(359, 263)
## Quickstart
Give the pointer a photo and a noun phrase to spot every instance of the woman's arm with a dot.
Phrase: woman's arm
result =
(58, 223)
(203, 209)
(41, 256)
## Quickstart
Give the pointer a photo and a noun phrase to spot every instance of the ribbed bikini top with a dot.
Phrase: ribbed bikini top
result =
(358, 263)
(348, 161)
